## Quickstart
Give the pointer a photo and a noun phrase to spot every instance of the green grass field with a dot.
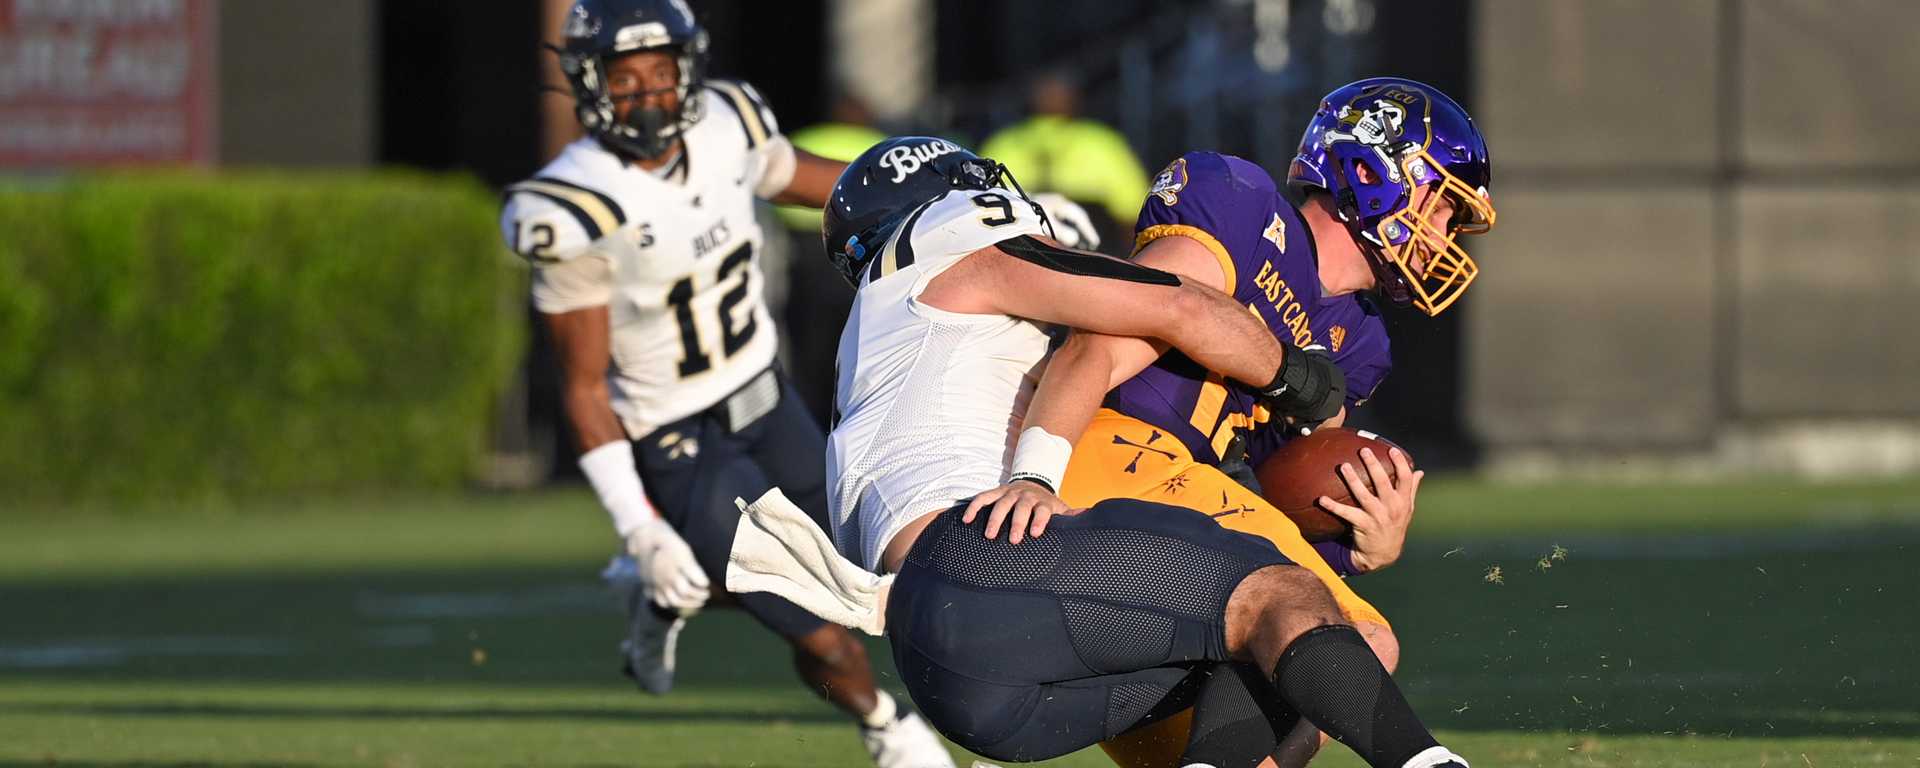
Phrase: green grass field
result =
(1748, 625)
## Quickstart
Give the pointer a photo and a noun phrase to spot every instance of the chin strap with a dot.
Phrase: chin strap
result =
(1387, 279)
(1045, 220)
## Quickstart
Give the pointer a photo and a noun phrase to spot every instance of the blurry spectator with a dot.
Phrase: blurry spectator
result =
(1057, 151)
(817, 297)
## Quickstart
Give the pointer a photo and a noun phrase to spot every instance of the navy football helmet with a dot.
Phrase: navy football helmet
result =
(885, 183)
(1407, 135)
(598, 31)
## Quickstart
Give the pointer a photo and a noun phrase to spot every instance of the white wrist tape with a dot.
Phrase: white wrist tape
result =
(610, 470)
(1041, 455)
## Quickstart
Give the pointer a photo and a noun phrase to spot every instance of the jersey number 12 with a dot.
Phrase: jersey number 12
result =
(694, 359)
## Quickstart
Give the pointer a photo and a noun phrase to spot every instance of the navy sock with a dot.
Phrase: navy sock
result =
(1332, 677)
(1230, 730)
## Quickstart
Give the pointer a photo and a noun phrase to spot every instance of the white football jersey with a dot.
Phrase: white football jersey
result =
(928, 403)
(677, 262)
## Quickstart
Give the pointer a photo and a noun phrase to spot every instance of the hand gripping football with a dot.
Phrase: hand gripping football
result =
(1307, 468)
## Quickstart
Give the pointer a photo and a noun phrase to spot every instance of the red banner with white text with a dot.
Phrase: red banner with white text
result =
(106, 82)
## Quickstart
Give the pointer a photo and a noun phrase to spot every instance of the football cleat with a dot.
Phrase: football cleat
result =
(1436, 757)
(906, 742)
(647, 654)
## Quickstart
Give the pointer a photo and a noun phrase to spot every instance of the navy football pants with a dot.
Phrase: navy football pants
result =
(695, 467)
(1108, 621)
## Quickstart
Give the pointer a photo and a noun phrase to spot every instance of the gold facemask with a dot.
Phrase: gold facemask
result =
(1437, 268)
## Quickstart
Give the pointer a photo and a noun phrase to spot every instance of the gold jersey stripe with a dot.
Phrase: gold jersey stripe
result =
(749, 113)
(1205, 238)
(600, 219)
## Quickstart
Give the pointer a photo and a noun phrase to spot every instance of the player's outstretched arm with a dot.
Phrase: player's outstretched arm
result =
(1103, 295)
(813, 178)
(1107, 295)
(1090, 364)
(581, 338)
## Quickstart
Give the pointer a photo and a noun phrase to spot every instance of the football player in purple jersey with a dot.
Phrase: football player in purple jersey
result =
(1390, 173)
(1053, 638)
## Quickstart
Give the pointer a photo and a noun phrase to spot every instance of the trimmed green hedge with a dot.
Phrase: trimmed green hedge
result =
(206, 336)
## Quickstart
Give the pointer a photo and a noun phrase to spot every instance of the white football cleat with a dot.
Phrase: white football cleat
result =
(647, 653)
(907, 742)
(1436, 757)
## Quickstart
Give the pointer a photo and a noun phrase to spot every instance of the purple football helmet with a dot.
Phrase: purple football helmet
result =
(1372, 144)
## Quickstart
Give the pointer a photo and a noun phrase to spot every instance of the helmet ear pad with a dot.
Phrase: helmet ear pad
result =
(1361, 184)
(590, 106)
(1373, 181)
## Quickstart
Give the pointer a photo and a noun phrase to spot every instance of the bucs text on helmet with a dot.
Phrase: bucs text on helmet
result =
(599, 31)
(888, 181)
(1405, 135)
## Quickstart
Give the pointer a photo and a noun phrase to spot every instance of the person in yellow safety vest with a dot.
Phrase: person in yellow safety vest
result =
(847, 133)
(1082, 158)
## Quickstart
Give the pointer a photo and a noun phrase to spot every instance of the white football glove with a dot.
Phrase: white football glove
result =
(674, 580)
(1070, 223)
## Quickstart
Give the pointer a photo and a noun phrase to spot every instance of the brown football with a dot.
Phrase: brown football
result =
(1307, 468)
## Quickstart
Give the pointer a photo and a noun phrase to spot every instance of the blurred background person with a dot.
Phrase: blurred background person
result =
(1056, 149)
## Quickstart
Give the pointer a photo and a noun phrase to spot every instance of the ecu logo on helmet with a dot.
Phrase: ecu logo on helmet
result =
(1378, 127)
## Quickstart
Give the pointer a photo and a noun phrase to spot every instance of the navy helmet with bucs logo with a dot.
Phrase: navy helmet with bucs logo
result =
(888, 181)
(598, 31)
(1407, 135)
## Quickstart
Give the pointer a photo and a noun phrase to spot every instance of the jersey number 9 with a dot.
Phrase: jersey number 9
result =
(1002, 209)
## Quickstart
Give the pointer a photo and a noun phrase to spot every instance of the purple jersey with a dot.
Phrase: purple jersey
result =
(1267, 254)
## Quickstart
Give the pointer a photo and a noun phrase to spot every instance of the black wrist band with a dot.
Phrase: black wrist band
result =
(1036, 479)
(1279, 385)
